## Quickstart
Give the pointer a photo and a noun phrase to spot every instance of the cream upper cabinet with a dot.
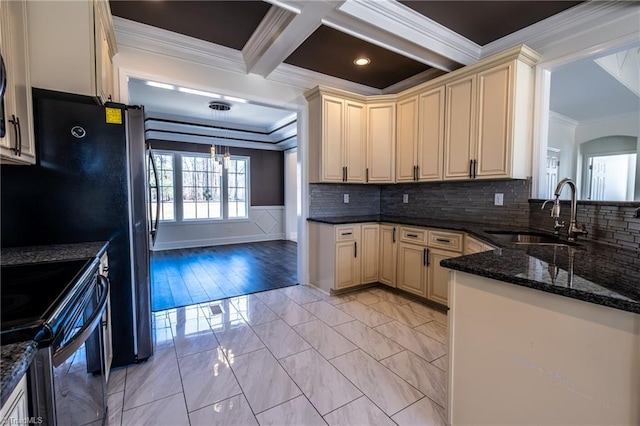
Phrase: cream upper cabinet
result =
(406, 139)
(460, 128)
(388, 254)
(17, 143)
(412, 270)
(332, 145)
(489, 120)
(381, 142)
(355, 143)
(337, 139)
(71, 44)
(369, 251)
(430, 146)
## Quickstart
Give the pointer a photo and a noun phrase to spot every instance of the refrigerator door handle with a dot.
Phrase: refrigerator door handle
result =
(154, 226)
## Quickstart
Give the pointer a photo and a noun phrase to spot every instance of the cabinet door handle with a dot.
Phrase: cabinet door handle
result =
(394, 234)
(355, 249)
(470, 169)
(442, 240)
(425, 257)
(347, 233)
(367, 175)
(344, 173)
(417, 173)
(18, 133)
(475, 169)
(412, 235)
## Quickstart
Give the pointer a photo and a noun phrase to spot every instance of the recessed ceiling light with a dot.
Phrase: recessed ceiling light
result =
(199, 92)
(362, 61)
(160, 85)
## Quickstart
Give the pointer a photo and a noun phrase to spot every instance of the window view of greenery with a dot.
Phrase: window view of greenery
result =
(164, 187)
(236, 188)
(201, 187)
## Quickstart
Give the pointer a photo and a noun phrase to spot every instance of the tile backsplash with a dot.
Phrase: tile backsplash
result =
(612, 223)
(471, 201)
(327, 200)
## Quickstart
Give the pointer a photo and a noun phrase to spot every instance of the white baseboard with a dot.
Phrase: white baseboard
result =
(173, 245)
(293, 236)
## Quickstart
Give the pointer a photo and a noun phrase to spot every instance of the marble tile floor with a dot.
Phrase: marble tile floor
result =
(291, 356)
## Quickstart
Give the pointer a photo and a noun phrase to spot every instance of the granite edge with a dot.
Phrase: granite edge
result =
(20, 357)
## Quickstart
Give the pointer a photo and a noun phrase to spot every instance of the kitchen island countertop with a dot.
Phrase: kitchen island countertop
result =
(15, 360)
(589, 271)
(51, 253)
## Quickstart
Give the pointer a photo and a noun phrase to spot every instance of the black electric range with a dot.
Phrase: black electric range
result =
(39, 300)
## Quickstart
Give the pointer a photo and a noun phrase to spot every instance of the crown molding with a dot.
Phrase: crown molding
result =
(213, 140)
(562, 26)
(156, 40)
(413, 81)
(270, 28)
(628, 116)
(563, 119)
(286, 121)
(395, 18)
(307, 79)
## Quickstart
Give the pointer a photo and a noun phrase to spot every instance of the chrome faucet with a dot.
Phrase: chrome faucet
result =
(574, 230)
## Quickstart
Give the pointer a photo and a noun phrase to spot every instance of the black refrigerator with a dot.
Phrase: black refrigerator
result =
(89, 184)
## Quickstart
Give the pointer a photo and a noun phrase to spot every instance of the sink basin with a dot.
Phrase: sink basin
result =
(526, 237)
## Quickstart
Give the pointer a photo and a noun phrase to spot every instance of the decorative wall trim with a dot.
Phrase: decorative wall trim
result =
(173, 245)
(265, 223)
(413, 81)
(306, 79)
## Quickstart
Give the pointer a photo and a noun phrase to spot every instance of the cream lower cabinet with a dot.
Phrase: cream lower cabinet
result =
(473, 245)
(15, 410)
(343, 256)
(412, 269)
(438, 288)
(388, 255)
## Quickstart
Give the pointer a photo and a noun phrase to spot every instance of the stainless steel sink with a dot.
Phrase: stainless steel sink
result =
(532, 238)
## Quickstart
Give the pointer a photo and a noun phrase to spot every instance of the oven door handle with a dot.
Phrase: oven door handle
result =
(64, 352)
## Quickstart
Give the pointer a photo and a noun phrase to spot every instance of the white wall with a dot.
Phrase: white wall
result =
(562, 135)
(291, 194)
(624, 125)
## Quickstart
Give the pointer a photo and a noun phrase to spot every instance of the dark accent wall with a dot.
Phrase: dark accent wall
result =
(471, 201)
(608, 222)
(326, 200)
(266, 174)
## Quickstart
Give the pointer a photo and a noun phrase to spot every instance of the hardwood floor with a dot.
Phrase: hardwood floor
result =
(188, 276)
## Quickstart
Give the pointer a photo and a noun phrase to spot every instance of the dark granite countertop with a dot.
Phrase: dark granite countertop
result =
(15, 360)
(50, 253)
(589, 271)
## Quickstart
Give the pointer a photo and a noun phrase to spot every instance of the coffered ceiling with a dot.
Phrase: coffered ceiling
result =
(404, 40)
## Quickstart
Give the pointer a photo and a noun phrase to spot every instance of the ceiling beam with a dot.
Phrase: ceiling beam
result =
(282, 31)
(396, 27)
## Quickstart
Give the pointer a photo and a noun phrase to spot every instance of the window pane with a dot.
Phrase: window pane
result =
(201, 180)
(162, 189)
(236, 194)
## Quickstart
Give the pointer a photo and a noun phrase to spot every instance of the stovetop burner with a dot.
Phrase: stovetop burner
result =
(31, 292)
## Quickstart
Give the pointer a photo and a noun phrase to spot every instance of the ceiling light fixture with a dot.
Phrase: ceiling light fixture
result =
(219, 106)
(199, 92)
(361, 61)
(161, 85)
